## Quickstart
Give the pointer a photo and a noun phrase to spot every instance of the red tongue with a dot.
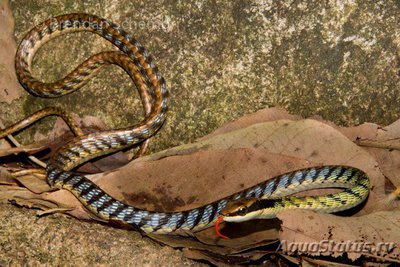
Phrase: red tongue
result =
(216, 227)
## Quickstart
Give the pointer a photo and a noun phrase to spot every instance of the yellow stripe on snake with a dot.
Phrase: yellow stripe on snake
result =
(264, 200)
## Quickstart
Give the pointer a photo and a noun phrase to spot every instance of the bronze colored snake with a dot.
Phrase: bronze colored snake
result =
(264, 200)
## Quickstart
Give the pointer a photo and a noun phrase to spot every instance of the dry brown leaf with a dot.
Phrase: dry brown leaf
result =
(177, 241)
(306, 261)
(65, 199)
(6, 177)
(218, 254)
(224, 260)
(307, 227)
(363, 131)
(242, 236)
(217, 260)
(261, 116)
(52, 211)
(388, 159)
(24, 197)
(383, 143)
(35, 182)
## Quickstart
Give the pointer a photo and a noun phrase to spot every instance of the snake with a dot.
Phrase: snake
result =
(264, 200)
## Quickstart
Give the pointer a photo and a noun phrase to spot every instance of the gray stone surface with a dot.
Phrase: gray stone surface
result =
(221, 60)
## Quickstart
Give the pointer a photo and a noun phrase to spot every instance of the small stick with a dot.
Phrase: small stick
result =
(377, 144)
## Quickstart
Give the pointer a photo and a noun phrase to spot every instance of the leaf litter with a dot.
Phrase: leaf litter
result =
(236, 156)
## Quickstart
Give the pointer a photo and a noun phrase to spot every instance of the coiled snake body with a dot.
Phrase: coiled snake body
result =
(134, 59)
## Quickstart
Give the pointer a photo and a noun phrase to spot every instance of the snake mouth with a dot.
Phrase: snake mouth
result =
(216, 227)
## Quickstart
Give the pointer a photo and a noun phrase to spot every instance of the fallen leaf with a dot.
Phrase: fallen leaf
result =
(388, 159)
(330, 235)
(35, 182)
(261, 116)
(6, 177)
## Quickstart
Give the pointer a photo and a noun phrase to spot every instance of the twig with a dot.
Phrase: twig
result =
(17, 144)
(377, 144)
(385, 259)
(27, 172)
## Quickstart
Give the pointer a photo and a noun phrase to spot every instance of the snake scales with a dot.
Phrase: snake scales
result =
(272, 195)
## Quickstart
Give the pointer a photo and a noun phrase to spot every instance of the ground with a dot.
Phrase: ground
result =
(57, 240)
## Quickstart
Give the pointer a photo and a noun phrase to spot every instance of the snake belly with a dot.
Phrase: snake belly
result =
(135, 60)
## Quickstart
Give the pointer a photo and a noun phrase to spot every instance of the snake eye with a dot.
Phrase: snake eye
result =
(242, 211)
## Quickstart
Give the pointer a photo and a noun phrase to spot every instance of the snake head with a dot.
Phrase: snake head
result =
(252, 208)
(247, 209)
(235, 211)
(241, 210)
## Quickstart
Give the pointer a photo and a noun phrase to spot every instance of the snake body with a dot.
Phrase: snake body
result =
(135, 60)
